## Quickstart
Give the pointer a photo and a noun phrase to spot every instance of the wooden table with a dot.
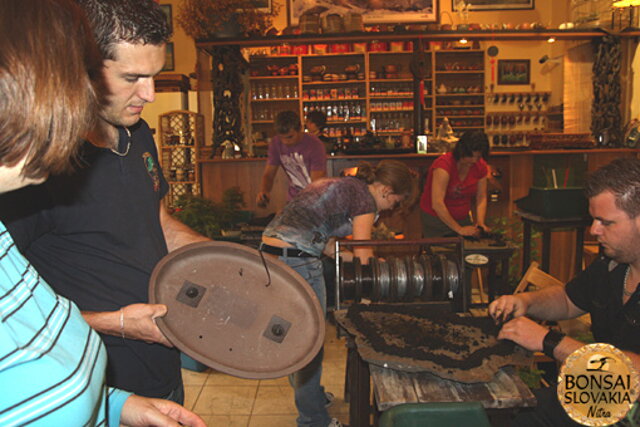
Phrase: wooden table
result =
(498, 266)
(547, 225)
(391, 388)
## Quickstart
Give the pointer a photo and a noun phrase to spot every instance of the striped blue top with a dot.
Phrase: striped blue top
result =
(52, 364)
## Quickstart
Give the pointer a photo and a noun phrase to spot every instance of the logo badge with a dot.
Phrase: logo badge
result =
(597, 385)
(152, 170)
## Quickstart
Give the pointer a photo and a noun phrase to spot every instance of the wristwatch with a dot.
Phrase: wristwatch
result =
(551, 341)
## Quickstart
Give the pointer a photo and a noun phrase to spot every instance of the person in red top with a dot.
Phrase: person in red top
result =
(457, 184)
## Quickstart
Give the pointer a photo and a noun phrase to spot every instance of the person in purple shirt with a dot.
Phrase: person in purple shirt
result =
(302, 156)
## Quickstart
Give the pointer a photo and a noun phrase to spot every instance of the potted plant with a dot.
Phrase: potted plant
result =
(203, 19)
(210, 218)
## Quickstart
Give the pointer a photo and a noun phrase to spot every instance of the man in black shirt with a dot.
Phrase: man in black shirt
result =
(607, 289)
(97, 234)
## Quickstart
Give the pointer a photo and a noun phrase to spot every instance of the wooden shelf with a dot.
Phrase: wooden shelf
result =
(460, 72)
(395, 110)
(276, 100)
(333, 82)
(391, 96)
(461, 94)
(333, 100)
(286, 76)
(391, 80)
(497, 35)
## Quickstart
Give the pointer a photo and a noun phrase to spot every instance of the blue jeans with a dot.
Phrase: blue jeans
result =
(309, 394)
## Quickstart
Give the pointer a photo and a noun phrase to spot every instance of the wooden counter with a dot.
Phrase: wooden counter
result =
(517, 178)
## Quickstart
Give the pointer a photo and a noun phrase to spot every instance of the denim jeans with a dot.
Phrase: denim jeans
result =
(309, 394)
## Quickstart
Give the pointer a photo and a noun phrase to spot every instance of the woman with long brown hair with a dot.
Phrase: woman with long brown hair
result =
(52, 364)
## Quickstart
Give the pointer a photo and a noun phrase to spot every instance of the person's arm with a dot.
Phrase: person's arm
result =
(550, 303)
(530, 335)
(266, 184)
(141, 411)
(438, 192)
(135, 321)
(481, 204)
(176, 233)
(362, 227)
(316, 175)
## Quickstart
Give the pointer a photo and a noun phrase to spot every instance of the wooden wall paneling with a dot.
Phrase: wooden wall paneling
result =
(218, 176)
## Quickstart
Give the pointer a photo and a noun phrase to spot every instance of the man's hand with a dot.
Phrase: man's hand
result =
(145, 411)
(262, 200)
(507, 307)
(525, 332)
(139, 323)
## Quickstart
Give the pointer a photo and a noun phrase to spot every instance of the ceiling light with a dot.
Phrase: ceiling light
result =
(463, 41)
(551, 40)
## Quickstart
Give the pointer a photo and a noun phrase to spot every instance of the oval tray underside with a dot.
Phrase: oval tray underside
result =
(222, 313)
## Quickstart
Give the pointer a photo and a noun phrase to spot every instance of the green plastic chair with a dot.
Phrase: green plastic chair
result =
(445, 414)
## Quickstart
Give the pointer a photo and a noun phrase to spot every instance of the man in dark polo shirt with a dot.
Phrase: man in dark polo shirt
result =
(607, 289)
(96, 235)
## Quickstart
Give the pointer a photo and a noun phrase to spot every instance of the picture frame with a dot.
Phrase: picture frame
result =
(262, 5)
(514, 71)
(166, 9)
(482, 5)
(169, 60)
(415, 11)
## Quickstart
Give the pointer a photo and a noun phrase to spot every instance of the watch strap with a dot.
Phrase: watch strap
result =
(551, 341)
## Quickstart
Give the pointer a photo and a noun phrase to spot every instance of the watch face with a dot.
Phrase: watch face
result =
(476, 259)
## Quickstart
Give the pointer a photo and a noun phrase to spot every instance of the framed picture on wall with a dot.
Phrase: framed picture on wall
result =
(169, 61)
(166, 8)
(262, 5)
(480, 5)
(514, 71)
(408, 11)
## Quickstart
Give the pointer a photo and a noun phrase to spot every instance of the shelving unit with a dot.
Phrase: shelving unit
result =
(511, 116)
(459, 88)
(181, 136)
(371, 91)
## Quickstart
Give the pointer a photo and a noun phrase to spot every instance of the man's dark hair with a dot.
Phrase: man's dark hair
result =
(471, 142)
(131, 21)
(286, 121)
(622, 178)
(317, 117)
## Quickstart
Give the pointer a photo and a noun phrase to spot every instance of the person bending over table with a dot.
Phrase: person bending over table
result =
(456, 181)
(52, 364)
(327, 209)
(607, 290)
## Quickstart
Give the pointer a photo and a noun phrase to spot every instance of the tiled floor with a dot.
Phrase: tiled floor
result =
(226, 401)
